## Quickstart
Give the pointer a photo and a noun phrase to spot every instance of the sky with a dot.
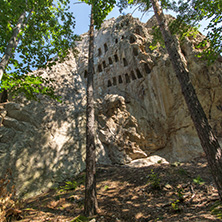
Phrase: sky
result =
(81, 12)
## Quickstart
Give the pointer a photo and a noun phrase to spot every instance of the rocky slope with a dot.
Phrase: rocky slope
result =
(140, 108)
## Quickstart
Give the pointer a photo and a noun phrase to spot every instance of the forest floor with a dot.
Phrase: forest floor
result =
(161, 192)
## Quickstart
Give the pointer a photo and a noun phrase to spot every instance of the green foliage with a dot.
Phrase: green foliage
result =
(193, 12)
(198, 180)
(180, 194)
(180, 198)
(69, 185)
(176, 27)
(72, 185)
(58, 197)
(181, 29)
(45, 39)
(106, 187)
(216, 209)
(143, 5)
(80, 218)
(29, 85)
(175, 206)
(158, 219)
(157, 38)
(154, 180)
(49, 32)
(100, 10)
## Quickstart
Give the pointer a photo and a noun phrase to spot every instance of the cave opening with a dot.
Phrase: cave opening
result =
(105, 47)
(120, 80)
(85, 74)
(139, 75)
(147, 68)
(127, 78)
(133, 75)
(125, 63)
(110, 61)
(132, 39)
(135, 51)
(116, 58)
(100, 68)
(109, 84)
(99, 52)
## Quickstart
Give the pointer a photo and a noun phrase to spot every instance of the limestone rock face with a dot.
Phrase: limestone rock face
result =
(118, 130)
(140, 110)
(43, 143)
(125, 66)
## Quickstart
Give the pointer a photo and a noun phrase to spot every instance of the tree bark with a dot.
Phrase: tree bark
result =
(91, 204)
(205, 133)
(13, 42)
(3, 96)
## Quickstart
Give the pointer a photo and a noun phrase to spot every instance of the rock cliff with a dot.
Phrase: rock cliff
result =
(139, 107)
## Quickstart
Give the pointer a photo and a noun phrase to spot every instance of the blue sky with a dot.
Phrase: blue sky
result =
(81, 12)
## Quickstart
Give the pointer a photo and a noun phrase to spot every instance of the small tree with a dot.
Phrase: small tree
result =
(99, 11)
(91, 203)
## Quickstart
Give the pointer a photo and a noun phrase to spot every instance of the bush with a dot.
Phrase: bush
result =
(154, 180)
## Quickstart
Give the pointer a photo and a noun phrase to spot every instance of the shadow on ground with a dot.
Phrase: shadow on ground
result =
(177, 192)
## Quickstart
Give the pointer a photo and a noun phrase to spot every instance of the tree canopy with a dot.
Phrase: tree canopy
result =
(190, 13)
(100, 10)
(45, 36)
(193, 12)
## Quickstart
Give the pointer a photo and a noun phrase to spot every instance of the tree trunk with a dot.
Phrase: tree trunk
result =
(3, 96)
(13, 42)
(205, 133)
(91, 204)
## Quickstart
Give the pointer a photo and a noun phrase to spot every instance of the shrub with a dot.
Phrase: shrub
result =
(198, 180)
(69, 185)
(154, 180)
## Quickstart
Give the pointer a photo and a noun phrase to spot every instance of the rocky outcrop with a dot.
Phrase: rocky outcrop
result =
(43, 143)
(126, 66)
(140, 109)
(118, 130)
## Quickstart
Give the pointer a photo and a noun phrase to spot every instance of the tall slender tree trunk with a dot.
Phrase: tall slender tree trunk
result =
(3, 96)
(91, 204)
(13, 42)
(12, 45)
(205, 133)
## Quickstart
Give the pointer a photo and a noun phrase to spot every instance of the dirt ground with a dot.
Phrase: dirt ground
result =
(176, 192)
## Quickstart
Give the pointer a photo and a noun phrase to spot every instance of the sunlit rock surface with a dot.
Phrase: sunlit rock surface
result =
(140, 110)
